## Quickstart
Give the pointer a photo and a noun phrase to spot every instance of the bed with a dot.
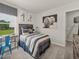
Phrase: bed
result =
(33, 43)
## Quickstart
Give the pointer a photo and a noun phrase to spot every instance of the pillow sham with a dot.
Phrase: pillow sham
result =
(26, 31)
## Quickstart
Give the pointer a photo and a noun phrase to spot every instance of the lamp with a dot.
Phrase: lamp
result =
(76, 20)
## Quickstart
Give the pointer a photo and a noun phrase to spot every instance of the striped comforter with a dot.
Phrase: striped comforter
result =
(34, 43)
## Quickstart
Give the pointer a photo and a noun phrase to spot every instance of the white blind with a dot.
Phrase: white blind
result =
(8, 10)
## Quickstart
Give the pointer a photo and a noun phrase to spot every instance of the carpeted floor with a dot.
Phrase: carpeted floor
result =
(54, 52)
(69, 50)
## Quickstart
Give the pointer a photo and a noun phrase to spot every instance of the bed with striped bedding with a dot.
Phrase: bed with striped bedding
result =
(34, 44)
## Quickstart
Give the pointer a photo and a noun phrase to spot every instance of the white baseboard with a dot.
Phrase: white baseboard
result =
(63, 45)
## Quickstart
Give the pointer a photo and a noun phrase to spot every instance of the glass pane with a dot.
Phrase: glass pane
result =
(7, 24)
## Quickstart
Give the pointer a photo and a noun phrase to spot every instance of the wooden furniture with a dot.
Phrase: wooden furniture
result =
(76, 47)
(14, 41)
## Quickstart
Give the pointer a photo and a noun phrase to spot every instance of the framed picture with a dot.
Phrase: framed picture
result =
(76, 19)
(49, 20)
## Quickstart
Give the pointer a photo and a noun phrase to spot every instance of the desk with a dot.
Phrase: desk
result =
(14, 41)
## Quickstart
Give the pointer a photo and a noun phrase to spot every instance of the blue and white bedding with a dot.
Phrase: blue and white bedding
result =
(32, 42)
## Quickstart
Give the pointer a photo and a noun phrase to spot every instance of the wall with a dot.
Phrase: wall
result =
(20, 20)
(27, 15)
(58, 32)
(71, 27)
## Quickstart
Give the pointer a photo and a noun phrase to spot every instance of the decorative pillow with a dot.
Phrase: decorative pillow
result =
(25, 33)
(24, 30)
(30, 30)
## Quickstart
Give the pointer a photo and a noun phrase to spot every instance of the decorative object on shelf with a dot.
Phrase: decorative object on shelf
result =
(29, 17)
(23, 17)
(76, 20)
(49, 20)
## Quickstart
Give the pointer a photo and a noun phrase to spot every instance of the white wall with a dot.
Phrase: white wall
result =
(71, 27)
(58, 33)
(19, 19)
(26, 13)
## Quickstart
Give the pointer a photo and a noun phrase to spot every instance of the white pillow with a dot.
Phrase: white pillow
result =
(25, 33)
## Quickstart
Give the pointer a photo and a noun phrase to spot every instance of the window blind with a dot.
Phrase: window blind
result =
(8, 10)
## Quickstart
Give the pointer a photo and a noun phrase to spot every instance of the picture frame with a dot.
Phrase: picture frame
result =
(49, 20)
(76, 19)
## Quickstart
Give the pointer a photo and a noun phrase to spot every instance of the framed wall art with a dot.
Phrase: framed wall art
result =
(49, 20)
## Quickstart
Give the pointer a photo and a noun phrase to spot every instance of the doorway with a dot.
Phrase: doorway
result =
(71, 25)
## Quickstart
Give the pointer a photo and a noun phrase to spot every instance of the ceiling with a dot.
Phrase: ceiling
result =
(38, 5)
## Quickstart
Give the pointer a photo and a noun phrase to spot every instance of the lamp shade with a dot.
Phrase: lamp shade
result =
(76, 19)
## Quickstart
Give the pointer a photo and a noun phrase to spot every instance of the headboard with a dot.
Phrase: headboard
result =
(25, 26)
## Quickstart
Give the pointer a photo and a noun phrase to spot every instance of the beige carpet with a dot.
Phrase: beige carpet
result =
(54, 52)
(17, 54)
(69, 50)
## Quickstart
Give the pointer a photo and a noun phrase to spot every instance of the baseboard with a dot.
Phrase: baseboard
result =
(63, 45)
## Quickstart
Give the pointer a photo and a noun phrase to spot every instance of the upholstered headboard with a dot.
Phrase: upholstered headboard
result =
(25, 26)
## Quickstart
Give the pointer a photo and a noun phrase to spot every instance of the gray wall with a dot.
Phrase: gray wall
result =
(8, 10)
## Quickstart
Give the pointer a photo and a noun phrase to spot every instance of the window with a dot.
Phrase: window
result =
(7, 24)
